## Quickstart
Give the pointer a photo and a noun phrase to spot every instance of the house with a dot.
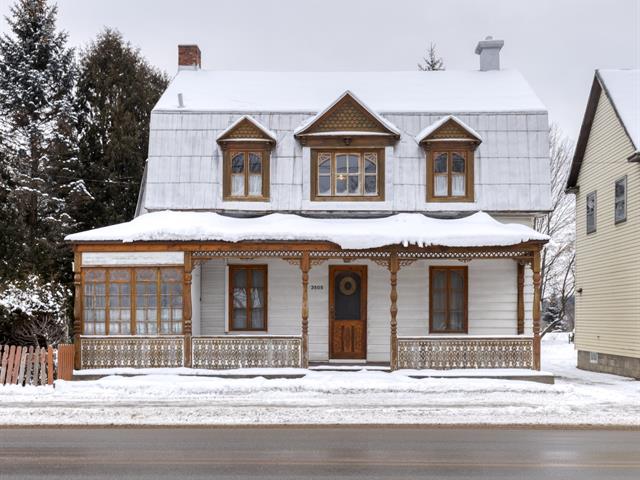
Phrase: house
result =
(605, 177)
(309, 217)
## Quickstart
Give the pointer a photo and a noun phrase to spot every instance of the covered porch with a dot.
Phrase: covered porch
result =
(319, 301)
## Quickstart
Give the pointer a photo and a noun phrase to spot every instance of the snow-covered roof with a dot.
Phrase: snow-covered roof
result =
(249, 118)
(310, 121)
(623, 88)
(448, 91)
(477, 230)
(436, 125)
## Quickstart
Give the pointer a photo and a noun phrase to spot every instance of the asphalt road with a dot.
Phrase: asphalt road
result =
(327, 453)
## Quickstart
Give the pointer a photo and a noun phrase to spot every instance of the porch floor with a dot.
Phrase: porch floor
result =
(292, 373)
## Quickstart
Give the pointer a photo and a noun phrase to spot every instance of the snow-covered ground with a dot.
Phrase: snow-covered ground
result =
(322, 397)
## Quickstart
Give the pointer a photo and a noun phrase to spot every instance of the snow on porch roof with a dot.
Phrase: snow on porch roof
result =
(447, 91)
(477, 230)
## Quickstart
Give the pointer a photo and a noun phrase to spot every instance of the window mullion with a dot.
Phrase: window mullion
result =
(158, 301)
(132, 302)
(448, 297)
(107, 294)
(333, 174)
(249, 299)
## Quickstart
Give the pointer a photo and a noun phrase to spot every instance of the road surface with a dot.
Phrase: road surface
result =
(328, 453)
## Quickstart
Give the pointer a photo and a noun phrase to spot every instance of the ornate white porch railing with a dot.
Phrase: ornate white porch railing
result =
(445, 352)
(246, 351)
(131, 351)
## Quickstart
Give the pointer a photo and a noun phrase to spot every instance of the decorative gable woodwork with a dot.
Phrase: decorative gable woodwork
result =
(450, 130)
(245, 129)
(347, 115)
(446, 129)
(345, 119)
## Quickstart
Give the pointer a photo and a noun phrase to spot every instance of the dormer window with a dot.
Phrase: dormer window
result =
(347, 141)
(246, 174)
(353, 174)
(451, 174)
(449, 145)
(246, 147)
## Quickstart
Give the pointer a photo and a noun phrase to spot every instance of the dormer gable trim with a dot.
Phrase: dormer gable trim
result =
(448, 129)
(345, 118)
(246, 129)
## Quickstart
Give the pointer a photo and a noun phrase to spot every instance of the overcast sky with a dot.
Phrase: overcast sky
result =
(556, 44)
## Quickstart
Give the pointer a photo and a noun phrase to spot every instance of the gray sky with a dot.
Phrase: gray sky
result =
(556, 44)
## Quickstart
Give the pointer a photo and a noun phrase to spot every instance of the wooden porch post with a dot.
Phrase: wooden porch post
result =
(536, 308)
(187, 308)
(305, 266)
(394, 266)
(77, 307)
(520, 298)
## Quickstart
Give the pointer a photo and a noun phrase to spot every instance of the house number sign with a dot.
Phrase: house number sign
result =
(316, 287)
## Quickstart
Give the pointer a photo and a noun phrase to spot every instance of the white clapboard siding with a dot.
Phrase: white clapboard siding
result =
(185, 168)
(492, 301)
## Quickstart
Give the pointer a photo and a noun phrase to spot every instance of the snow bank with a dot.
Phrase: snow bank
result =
(448, 91)
(366, 397)
(477, 230)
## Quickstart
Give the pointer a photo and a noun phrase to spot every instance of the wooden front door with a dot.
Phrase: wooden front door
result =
(348, 312)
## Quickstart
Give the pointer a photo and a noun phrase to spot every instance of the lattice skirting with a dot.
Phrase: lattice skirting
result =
(448, 353)
(225, 352)
(134, 351)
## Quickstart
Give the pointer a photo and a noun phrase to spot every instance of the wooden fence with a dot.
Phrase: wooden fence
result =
(35, 366)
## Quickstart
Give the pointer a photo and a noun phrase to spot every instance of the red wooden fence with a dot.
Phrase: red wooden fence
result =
(34, 366)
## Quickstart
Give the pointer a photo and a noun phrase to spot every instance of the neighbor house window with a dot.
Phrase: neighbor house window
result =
(122, 301)
(450, 174)
(591, 212)
(621, 200)
(347, 174)
(448, 300)
(246, 174)
(247, 297)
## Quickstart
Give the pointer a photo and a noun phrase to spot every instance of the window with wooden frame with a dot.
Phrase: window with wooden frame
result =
(620, 200)
(246, 174)
(125, 301)
(448, 309)
(591, 212)
(248, 297)
(347, 174)
(450, 173)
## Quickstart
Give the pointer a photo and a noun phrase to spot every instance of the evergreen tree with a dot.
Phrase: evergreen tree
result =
(37, 142)
(117, 88)
(431, 60)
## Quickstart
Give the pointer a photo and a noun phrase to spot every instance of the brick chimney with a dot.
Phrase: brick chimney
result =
(188, 57)
(489, 51)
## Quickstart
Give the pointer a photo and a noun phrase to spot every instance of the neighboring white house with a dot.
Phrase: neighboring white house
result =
(605, 176)
(295, 217)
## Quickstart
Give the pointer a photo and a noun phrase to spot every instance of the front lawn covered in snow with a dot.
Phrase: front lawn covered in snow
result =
(323, 397)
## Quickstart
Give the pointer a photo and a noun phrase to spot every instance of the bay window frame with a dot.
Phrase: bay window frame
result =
(133, 301)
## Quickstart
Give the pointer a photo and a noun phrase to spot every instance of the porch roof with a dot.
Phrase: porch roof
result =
(477, 230)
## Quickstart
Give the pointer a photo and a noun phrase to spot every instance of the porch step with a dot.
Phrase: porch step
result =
(349, 367)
